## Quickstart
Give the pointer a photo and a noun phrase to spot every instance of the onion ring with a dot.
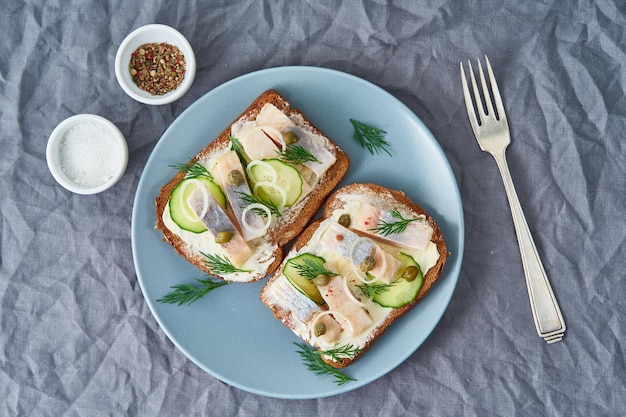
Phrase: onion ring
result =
(348, 291)
(268, 218)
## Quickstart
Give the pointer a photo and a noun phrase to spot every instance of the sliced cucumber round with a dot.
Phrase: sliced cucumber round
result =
(304, 285)
(276, 182)
(181, 213)
(401, 291)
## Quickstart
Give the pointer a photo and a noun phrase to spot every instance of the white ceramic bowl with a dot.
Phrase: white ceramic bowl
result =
(87, 154)
(153, 34)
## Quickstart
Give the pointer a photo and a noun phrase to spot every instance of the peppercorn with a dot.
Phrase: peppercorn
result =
(158, 68)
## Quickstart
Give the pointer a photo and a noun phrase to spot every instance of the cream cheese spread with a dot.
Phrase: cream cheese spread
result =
(357, 315)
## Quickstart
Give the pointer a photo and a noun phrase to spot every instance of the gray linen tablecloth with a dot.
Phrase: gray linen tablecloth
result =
(76, 335)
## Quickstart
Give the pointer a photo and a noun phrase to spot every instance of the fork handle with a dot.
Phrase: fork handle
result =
(546, 312)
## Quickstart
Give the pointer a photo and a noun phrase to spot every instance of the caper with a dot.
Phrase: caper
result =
(321, 279)
(235, 177)
(367, 264)
(319, 329)
(344, 220)
(410, 273)
(290, 138)
(224, 236)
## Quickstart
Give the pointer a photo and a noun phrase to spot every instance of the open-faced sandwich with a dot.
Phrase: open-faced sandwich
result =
(372, 256)
(232, 208)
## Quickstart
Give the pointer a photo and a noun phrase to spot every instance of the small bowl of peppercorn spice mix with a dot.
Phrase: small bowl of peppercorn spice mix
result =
(87, 154)
(155, 64)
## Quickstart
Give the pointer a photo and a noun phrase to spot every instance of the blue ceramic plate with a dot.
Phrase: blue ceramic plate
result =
(230, 333)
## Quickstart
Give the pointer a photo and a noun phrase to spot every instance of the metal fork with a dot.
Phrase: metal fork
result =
(492, 133)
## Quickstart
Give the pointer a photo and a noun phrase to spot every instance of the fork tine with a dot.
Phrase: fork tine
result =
(496, 92)
(479, 103)
(486, 92)
(468, 99)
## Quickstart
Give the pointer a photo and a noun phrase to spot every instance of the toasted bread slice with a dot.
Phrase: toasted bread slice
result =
(264, 125)
(337, 306)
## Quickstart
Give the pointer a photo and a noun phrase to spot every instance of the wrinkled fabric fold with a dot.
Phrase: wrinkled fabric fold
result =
(77, 337)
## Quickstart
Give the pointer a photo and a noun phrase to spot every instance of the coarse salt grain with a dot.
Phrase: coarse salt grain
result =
(89, 154)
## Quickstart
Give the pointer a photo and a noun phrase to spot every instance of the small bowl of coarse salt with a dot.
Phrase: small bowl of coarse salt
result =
(155, 64)
(87, 154)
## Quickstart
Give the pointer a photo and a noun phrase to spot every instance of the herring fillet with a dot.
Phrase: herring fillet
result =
(367, 219)
(216, 221)
(224, 165)
(356, 248)
(271, 116)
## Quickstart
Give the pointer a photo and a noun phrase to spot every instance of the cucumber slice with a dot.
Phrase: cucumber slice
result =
(401, 292)
(303, 284)
(181, 213)
(281, 175)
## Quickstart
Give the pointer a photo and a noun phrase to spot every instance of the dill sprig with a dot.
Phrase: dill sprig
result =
(220, 265)
(370, 138)
(296, 154)
(374, 289)
(185, 294)
(238, 148)
(250, 199)
(341, 352)
(310, 269)
(389, 228)
(314, 362)
(193, 170)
